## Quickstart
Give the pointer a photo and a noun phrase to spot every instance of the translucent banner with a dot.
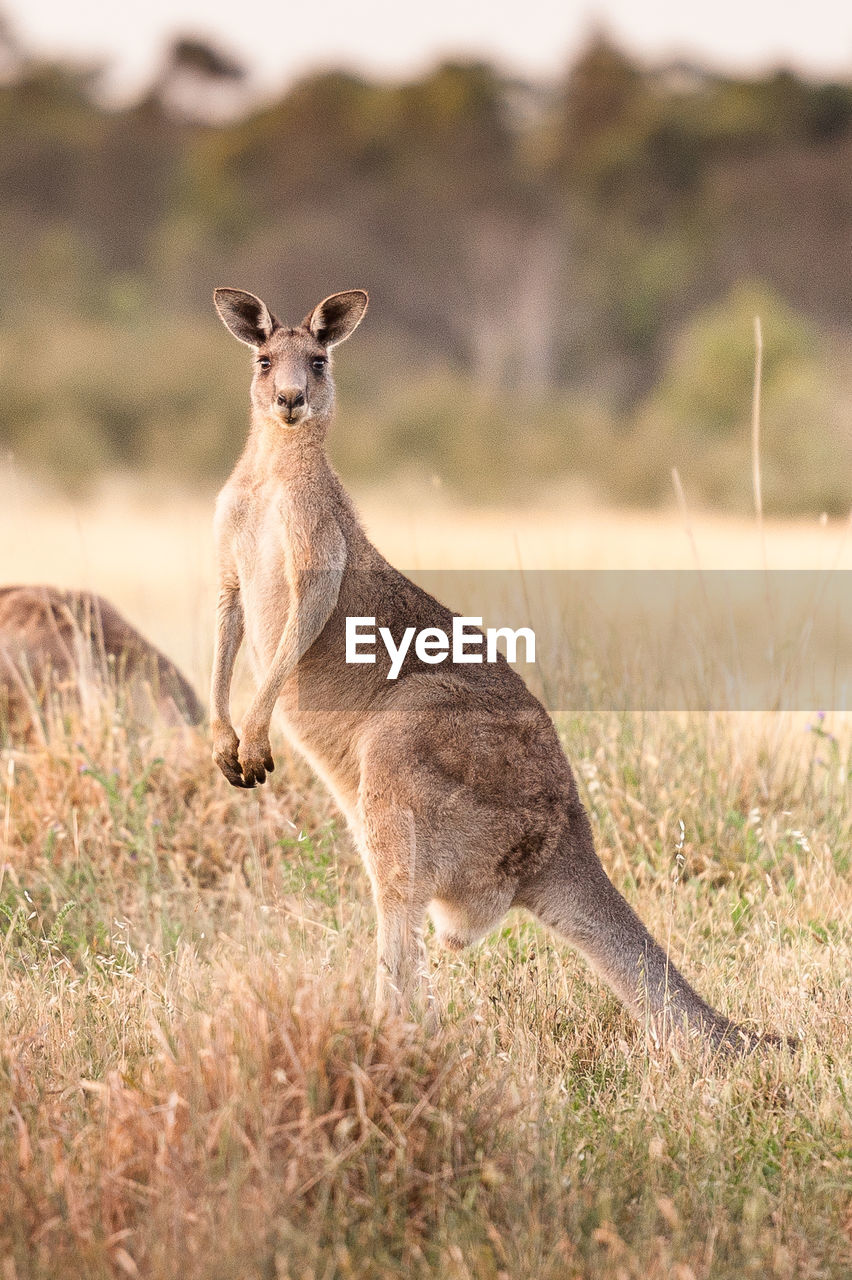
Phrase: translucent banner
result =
(608, 640)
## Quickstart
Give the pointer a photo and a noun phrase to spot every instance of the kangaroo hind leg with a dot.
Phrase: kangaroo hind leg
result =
(388, 845)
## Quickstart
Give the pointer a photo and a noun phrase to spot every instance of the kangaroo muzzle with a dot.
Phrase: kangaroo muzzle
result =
(291, 404)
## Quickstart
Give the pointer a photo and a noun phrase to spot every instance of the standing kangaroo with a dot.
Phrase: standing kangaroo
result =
(454, 783)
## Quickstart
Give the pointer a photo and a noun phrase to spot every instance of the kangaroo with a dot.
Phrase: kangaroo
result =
(460, 799)
(67, 642)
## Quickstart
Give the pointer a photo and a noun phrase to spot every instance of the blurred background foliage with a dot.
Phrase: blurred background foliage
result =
(563, 277)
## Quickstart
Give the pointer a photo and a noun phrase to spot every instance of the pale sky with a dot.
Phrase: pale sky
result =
(284, 39)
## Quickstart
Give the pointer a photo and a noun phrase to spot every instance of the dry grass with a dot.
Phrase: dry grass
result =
(191, 1084)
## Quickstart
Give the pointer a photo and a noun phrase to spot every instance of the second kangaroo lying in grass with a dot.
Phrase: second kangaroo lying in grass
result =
(454, 783)
(75, 644)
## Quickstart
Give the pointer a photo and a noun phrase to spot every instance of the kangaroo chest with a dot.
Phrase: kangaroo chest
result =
(262, 561)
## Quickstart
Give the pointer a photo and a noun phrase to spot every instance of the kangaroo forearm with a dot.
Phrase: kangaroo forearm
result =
(283, 665)
(229, 637)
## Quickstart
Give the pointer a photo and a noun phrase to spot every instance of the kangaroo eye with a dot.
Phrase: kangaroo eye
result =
(318, 365)
(264, 362)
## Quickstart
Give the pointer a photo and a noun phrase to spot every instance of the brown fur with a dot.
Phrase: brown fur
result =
(72, 643)
(453, 780)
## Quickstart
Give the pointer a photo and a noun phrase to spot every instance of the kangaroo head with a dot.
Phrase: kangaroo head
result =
(292, 377)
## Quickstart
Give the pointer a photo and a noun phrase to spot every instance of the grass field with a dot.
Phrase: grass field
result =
(190, 1081)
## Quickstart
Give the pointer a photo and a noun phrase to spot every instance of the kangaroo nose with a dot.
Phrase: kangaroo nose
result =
(293, 399)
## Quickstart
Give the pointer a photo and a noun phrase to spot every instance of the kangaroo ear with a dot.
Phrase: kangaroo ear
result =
(337, 316)
(246, 316)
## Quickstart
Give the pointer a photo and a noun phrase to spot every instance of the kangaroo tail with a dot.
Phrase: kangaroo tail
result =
(573, 895)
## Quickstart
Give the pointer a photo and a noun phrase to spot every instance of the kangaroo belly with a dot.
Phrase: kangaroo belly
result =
(329, 745)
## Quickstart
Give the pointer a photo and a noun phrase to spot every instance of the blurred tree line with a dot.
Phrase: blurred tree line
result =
(562, 277)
